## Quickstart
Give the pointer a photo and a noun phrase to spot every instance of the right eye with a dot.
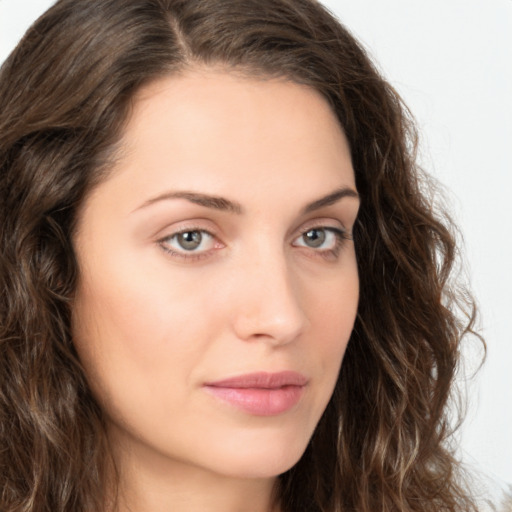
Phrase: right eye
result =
(195, 242)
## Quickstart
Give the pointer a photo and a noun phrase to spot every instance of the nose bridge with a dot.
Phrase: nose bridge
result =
(268, 304)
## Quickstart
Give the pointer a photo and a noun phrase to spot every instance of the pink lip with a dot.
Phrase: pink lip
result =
(262, 393)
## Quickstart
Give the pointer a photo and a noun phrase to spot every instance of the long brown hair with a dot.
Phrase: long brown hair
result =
(65, 93)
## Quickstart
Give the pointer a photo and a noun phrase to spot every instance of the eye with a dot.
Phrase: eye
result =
(325, 241)
(196, 241)
(315, 237)
(189, 240)
(319, 238)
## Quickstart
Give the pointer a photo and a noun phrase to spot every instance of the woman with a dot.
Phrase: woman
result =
(208, 208)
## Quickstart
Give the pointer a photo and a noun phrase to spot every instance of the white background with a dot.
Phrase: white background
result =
(451, 60)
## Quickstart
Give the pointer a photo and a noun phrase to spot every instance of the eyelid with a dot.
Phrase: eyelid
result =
(183, 254)
(329, 254)
(339, 231)
(331, 223)
(333, 229)
(340, 234)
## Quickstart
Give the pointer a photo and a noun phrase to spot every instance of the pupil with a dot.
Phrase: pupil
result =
(190, 240)
(315, 237)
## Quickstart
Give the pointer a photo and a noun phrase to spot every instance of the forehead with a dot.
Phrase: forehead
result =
(222, 133)
(216, 98)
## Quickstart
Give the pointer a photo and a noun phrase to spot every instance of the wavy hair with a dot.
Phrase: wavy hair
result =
(65, 94)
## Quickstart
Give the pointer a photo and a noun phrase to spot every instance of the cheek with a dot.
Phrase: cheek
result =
(334, 306)
(332, 309)
(129, 302)
(134, 335)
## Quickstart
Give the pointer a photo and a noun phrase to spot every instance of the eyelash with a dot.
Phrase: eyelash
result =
(332, 254)
(190, 255)
(341, 235)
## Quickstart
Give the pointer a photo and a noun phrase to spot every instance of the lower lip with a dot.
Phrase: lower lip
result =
(259, 401)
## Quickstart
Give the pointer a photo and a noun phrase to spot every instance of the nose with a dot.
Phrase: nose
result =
(267, 305)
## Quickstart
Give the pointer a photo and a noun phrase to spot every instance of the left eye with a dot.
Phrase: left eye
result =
(189, 241)
(319, 238)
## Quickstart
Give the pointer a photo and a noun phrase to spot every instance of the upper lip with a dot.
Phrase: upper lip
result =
(263, 380)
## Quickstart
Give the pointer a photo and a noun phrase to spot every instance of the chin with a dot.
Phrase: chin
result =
(260, 460)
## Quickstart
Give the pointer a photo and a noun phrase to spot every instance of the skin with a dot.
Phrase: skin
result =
(151, 327)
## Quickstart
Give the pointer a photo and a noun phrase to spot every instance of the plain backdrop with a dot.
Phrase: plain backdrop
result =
(451, 61)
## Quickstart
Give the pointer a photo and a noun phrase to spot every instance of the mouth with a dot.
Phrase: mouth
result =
(261, 393)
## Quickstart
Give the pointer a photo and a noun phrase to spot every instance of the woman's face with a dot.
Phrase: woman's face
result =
(218, 281)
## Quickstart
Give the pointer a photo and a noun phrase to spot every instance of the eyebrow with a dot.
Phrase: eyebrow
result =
(209, 201)
(227, 205)
(330, 199)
